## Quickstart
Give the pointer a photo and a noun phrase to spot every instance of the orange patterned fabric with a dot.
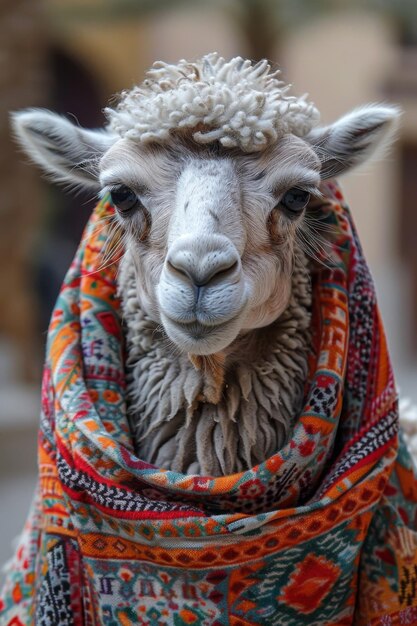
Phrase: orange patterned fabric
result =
(321, 533)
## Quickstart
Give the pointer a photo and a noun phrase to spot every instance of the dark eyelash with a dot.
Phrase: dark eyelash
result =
(140, 190)
(313, 190)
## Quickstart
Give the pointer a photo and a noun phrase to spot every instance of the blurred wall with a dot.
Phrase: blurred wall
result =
(23, 81)
(113, 51)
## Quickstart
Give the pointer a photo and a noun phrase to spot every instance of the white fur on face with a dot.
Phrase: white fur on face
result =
(202, 292)
(219, 254)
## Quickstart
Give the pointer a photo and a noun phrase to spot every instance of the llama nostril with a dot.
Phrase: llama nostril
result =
(226, 270)
(201, 276)
(205, 270)
(223, 271)
(181, 269)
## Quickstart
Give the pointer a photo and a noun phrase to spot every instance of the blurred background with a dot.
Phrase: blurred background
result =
(73, 55)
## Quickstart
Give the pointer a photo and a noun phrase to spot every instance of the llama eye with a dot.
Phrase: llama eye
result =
(294, 201)
(124, 199)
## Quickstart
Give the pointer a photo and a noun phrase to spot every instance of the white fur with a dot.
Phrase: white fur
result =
(364, 133)
(240, 104)
(206, 237)
(67, 152)
(408, 421)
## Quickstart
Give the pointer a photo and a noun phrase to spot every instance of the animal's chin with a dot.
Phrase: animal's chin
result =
(199, 339)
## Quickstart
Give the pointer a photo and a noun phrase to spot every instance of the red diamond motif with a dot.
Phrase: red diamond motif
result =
(311, 581)
(230, 554)
(209, 557)
(184, 558)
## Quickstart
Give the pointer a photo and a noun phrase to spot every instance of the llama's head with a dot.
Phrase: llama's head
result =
(210, 166)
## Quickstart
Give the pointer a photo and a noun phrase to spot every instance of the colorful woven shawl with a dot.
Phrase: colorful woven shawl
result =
(323, 532)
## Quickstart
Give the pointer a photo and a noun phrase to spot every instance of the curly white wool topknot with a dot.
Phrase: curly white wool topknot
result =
(235, 102)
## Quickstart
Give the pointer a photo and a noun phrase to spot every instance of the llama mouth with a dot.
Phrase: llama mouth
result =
(199, 338)
(197, 330)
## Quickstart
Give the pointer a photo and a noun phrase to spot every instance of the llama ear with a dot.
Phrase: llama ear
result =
(68, 153)
(354, 138)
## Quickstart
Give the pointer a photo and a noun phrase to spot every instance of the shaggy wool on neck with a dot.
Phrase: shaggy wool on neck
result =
(235, 102)
(265, 372)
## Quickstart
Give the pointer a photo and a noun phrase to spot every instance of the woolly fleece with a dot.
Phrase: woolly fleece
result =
(236, 102)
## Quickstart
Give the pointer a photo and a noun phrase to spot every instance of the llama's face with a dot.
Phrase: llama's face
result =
(211, 234)
(212, 231)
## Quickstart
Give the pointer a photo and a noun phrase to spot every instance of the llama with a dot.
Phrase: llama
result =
(214, 170)
(267, 484)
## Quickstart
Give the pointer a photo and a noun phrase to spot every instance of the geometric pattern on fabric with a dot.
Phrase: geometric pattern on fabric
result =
(54, 603)
(322, 532)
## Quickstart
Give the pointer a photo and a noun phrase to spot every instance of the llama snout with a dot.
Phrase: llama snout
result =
(204, 259)
(202, 290)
